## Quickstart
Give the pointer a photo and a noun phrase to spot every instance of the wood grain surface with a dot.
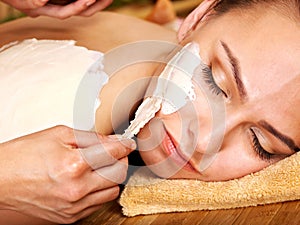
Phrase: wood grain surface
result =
(287, 213)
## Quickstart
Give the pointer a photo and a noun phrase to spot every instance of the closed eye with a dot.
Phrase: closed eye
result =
(209, 80)
(260, 151)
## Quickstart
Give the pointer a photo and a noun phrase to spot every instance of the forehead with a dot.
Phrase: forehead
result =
(266, 45)
(268, 50)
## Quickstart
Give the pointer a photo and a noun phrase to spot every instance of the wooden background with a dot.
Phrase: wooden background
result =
(287, 213)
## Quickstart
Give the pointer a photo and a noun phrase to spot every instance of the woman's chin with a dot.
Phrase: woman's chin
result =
(166, 168)
(180, 174)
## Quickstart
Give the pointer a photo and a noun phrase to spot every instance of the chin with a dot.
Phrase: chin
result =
(165, 168)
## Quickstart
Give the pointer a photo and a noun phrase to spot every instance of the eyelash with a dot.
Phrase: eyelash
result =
(262, 153)
(209, 80)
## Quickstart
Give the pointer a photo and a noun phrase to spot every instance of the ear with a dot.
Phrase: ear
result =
(194, 17)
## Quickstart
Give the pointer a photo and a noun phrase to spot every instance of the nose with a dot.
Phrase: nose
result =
(208, 124)
(209, 143)
(211, 132)
(205, 128)
(202, 128)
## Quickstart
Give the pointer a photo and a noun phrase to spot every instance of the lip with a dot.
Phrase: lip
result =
(169, 145)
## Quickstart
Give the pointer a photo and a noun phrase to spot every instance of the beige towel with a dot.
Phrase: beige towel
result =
(147, 194)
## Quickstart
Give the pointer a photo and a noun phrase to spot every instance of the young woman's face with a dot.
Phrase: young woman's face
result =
(255, 68)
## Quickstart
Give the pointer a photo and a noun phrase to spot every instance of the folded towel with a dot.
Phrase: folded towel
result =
(147, 194)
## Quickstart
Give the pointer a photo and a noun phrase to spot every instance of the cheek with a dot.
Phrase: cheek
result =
(234, 162)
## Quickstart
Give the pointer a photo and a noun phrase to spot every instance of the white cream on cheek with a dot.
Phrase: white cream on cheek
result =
(39, 86)
(177, 78)
(174, 88)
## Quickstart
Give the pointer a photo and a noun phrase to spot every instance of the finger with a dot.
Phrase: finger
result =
(62, 12)
(107, 153)
(77, 138)
(96, 7)
(115, 173)
(84, 139)
(37, 3)
(90, 203)
(21, 5)
(97, 198)
(70, 136)
(94, 181)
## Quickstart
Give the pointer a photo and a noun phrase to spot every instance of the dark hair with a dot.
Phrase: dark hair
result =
(287, 7)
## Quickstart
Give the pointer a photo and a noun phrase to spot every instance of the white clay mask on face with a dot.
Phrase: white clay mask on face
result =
(175, 93)
(162, 97)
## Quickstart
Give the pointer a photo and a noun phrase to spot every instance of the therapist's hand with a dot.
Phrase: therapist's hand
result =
(36, 8)
(46, 174)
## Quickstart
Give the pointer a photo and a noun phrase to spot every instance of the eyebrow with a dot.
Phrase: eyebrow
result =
(235, 66)
(283, 138)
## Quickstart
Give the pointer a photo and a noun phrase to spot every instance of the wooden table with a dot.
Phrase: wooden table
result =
(287, 213)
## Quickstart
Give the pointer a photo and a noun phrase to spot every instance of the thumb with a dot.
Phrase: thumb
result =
(108, 152)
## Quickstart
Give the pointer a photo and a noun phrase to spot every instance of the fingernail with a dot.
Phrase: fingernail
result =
(89, 2)
(126, 141)
(133, 145)
(129, 143)
(118, 137)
